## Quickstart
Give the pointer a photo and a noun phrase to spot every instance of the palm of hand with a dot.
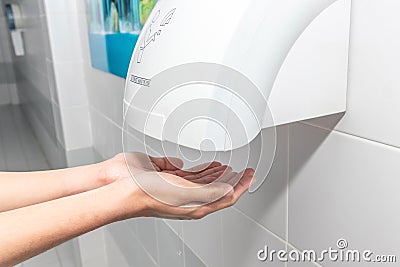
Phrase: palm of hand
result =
(173, 191)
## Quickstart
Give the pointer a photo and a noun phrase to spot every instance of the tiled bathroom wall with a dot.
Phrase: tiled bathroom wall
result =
(36, 82)
(50, 81)
(8, 88)
(333, 177)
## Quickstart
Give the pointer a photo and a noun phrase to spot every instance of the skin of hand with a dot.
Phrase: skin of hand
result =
(194, 193)
(165, 190)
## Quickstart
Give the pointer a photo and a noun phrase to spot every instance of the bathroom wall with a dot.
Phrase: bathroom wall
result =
(73, 127)
(35, 80)
(50, 82)
(8, 88)
(333, 177)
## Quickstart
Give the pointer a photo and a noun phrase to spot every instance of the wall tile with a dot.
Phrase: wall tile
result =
(113, 252)
(342, 187)
(268, 204)
(199, 235)
(243, 238)
(107, 137)
(76, 127)
(56, 7)
(71, 88)
(133, 252)
(105, 93)
(48, 258)
(176, 226)
(12, 87)
(170, 246)
(81, 156)
(54, 151)
(64, 37)
(92, 248)
(66, 254)
(146, 233)
(4, 94)
(191, 260)
(373, 94)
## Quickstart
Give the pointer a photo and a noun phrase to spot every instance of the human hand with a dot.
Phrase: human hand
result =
(161, 188)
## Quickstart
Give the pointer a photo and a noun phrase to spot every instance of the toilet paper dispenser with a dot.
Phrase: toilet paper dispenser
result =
(15, 25)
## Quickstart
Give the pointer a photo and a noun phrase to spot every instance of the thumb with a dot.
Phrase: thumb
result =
(209, 193)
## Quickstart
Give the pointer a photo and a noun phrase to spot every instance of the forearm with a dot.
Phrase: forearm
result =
(28, 231)
(27, 188)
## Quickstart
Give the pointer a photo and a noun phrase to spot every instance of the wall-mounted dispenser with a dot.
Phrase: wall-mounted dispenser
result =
(14, 19)
(224, 70)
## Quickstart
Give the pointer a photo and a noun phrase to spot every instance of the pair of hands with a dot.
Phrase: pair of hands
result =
(160, 187)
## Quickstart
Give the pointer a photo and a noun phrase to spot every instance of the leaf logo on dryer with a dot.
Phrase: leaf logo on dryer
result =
(153, 31)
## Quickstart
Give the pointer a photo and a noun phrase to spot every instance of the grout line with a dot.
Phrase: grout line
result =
(260, 225)
(157, 238)
(375, 142)
(9, 115)
(140, 242)
(105, 117)
(18, 128)
(183, 246)
(181, 237)
(222, 239)
(35, 137)
(287, 189)
(58, 256)
(269, 231)
(104, 245)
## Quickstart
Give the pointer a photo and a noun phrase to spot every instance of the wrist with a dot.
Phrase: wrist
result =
(102, 173)
(127, 199)
(81, 179)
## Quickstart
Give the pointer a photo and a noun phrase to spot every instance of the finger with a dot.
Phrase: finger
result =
(199, 169)
(211, 171)
(229, 199)
(227, 177)
(209, 193)
(212, 177)
(168, 164)
(205, 180)
(204, 166)
(244, 184)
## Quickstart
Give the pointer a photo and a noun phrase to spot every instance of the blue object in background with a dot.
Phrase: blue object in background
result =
(10, 17)
(114, 28)
(111, 52)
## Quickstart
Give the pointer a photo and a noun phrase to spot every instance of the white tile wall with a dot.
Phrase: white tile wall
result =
(76, 127)
(114, 257)
(92, 247)
(268, 205)
(205, 238)
(63, 33)
(243, 238)
(132, 250)
(146, 233)
(373, 108)
(342, 187)
(170, 246)
(71, 88)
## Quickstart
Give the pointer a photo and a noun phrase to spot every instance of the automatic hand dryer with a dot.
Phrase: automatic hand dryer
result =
(210, 75)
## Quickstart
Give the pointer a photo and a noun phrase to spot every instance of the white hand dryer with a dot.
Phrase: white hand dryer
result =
(210, 75)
